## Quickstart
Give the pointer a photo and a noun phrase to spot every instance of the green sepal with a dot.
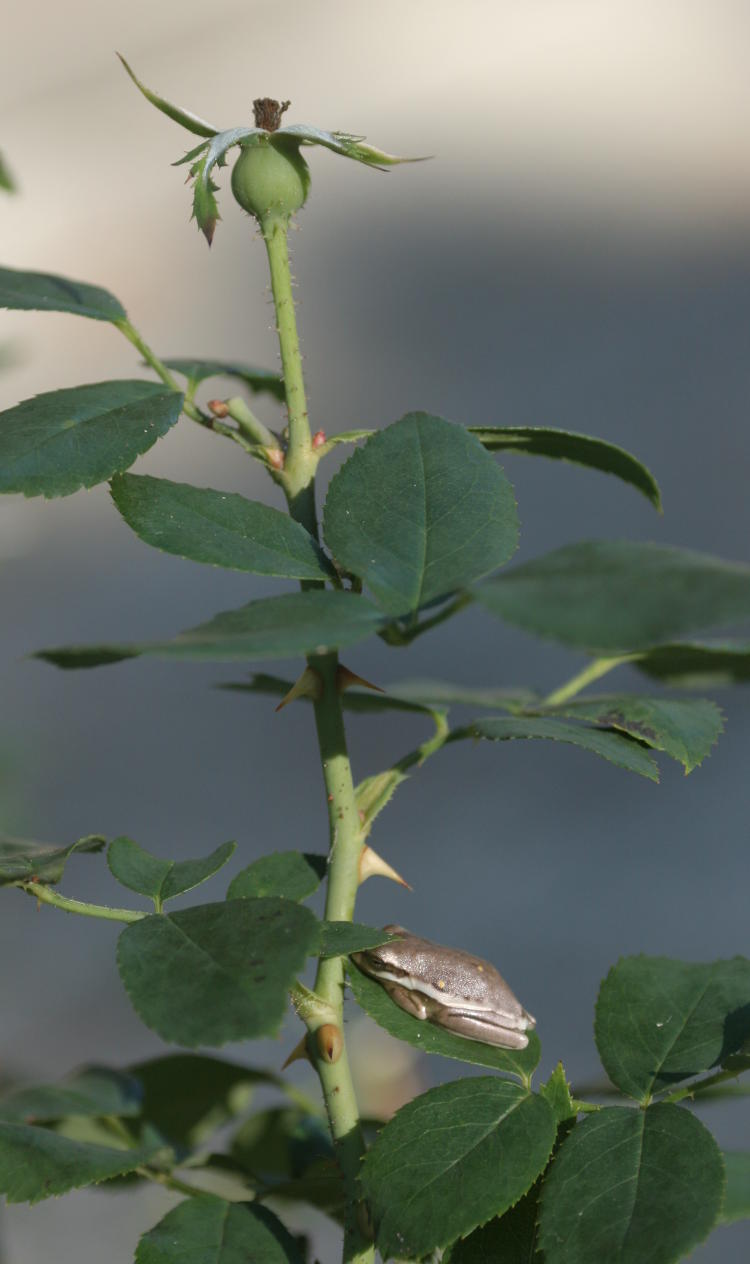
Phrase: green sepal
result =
(184, 117)
(205, 207)
(344, 144)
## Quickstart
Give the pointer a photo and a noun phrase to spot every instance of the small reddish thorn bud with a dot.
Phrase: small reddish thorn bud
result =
(275, 458)
(218, 407)
(319, 439)
(330, 798)
(309, 685)
(345, 679)
(330, 1042)
(372, 865)
(299, 1054)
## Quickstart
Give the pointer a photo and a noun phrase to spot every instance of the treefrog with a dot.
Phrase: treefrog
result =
(448, 987)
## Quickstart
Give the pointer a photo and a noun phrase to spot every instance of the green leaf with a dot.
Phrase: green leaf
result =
(511, 1239)
(55, 443)
(439, 693)
(36, 1163)
(184, 117)
(220, 528)
(566, 445)
(629, 1186)
(358, 701)
(159, 879)
(288, 1152)
(7, 183)
(187, 1096)
(736, 1205)
(259, 381)
(208, 1230)
(46, 292)
(217, 972)
(453, 1158)
(660, 1021)
(698, 664)
(376, 1002)
(617, 596)
(338, 939)
(94, 1091)
(23, 861)
(281, 1142)
(274, 627)
(293, 875)
(420, 511)
(621, 751)
(342, 143)
(685, 730)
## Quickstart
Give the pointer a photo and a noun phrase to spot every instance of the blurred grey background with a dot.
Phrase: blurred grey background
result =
(577, 254)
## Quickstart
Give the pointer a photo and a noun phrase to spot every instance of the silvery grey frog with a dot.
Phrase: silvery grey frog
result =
(448, 987)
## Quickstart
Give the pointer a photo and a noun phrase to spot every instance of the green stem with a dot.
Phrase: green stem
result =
(697, 1087)
(298, 481)
(171, 1182)
(594, 671)
(188, 406)
(433, 744)
(249, 424)
(395, 635)
(46, 895)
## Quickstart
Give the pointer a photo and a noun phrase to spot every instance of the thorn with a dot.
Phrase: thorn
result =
(218, 407)
(345, 679)
(330, 1042)
(309, 685)
(299, 1054)
(372, 865)
(319, 438)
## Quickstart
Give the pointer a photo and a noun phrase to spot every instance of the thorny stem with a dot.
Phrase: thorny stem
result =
(594, 671)
(46, 895)
(298, 481)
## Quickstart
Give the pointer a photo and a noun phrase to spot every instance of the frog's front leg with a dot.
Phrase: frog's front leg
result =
(407, 999)
(471, 1027)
